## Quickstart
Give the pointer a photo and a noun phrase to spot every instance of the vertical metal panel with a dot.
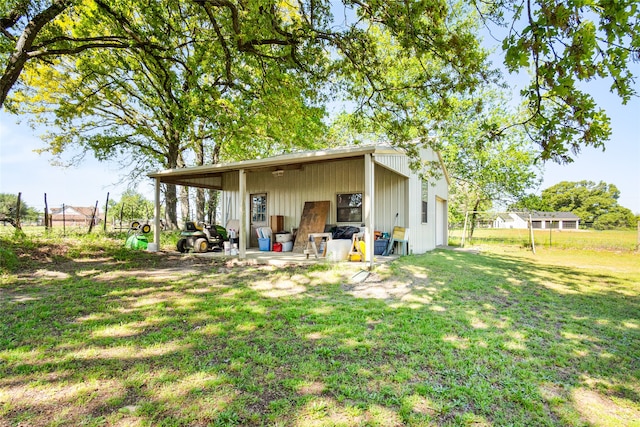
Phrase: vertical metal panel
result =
(390, 199)
(242, 213)
(398, 163)
(286, 194)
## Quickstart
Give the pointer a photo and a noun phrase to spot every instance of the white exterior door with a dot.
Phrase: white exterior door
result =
(259, 216)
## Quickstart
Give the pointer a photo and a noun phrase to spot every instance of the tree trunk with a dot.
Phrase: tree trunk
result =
(17, 224)
(212, 207)
(184, 204)
(474, 216)
(171, 201)
(214, 195)
(171, 193)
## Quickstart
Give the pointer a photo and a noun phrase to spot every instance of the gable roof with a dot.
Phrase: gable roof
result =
(75, 210)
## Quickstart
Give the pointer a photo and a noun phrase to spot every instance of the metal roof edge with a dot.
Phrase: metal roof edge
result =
(298, 157)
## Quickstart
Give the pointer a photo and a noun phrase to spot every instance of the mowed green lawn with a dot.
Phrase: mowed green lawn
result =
(91, 334)
(610, 240)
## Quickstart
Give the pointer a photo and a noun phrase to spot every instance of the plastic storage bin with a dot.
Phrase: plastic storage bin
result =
(264, 244)
(287, 246)
(379, 246)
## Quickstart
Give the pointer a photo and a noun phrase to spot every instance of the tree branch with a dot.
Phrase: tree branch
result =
(18, 59)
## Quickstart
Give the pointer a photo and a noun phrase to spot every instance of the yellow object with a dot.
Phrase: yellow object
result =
(354, 257)
(399, 233)
(363, 248)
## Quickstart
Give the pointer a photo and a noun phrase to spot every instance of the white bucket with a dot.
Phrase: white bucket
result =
(227, 248)
(338, 250)
(152, 247)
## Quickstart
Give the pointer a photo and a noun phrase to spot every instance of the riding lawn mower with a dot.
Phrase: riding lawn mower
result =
(201, 237)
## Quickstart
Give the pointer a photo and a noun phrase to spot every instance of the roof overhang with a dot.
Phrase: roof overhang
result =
(210, 176)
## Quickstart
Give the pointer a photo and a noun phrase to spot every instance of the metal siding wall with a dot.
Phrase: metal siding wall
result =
(287, 194)
(229, 195)
(390, 199)
(395, 162)
(322, 181)
(422, 237)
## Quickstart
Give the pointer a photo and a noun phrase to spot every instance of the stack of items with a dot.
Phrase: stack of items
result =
(284, 242)
(264, 238)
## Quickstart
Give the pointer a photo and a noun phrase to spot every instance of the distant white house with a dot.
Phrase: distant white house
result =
(539, 220)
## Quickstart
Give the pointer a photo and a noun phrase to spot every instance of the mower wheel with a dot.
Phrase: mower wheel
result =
(201, 245)
(182, 245)
(146, 228)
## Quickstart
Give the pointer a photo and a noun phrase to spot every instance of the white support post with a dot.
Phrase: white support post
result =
(156, 214)
(368, 206)
(242, 200)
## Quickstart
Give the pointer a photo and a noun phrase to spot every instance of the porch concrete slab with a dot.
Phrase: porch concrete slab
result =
(257, 257)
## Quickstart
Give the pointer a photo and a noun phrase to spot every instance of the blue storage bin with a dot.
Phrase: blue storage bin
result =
(379, 246)
(264, 244)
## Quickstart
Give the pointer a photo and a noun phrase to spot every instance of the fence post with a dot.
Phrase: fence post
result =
(64, 223)
(18, 225)
(46, 214)
(106, 208)
(464, 229)
(93, 217)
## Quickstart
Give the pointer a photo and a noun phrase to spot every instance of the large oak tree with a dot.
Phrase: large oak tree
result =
(197, 86)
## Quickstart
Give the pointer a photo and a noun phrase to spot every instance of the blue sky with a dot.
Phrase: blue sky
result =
(23, 170)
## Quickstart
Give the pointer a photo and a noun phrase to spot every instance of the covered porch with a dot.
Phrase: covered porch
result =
(293, 179)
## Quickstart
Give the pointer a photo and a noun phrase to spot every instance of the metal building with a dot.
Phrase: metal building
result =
(368, 186)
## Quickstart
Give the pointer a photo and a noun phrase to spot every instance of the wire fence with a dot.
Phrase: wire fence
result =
(62, 218)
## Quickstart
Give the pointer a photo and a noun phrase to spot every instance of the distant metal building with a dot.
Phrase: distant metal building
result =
(539, 220)
(371, 187)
